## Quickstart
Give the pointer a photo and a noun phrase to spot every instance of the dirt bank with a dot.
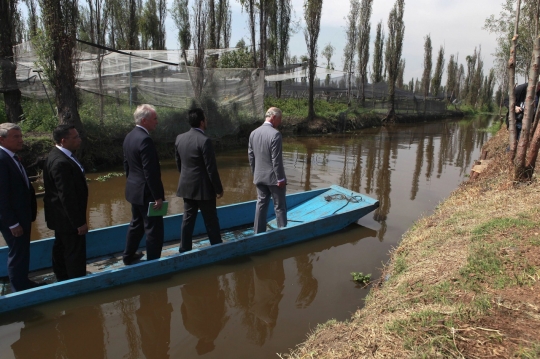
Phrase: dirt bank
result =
(463, 283)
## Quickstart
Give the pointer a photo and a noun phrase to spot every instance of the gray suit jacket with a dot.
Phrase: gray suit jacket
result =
(196, 162)
(265, 155)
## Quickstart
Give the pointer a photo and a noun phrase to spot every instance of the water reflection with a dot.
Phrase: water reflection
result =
(203, 312)
(264, 304)
(71, 334)
(154, 323)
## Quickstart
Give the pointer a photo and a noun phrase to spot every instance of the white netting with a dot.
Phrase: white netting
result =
(151, 76)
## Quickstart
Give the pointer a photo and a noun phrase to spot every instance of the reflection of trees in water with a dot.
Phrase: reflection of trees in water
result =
(258, 291)
(383, 181)
(344, 177)
(65, 336)
(418, 163)
(126, 307)
(203, 312)
(445, 153)
(154, 322)
(371, 158)
(430, 157)
(308, 284)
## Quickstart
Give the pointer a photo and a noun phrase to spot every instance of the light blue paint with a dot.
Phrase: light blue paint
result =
(310, 215)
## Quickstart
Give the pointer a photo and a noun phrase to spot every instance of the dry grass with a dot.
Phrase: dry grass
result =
(464, 282)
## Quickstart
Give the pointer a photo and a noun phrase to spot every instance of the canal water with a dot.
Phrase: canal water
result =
(264, 304)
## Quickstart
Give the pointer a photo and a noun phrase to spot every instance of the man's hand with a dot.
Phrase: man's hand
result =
(219, 195)
(159, 203)
(282, 184)
(518, 109)
(17, 231)
(82, 230)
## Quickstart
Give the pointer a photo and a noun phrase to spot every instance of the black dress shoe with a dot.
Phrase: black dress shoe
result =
(134, 258)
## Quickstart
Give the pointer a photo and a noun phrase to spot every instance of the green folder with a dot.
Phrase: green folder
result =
(157, 212)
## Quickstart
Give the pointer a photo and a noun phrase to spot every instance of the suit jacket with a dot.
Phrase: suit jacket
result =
(17, 200)
(265, 155)
(143, 172)
(66, 193)
(196, 162)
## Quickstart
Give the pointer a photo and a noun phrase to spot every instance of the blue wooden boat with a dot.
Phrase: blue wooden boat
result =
(310, 214)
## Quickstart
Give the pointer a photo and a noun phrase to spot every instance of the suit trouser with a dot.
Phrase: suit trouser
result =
(139, 225)
(18, 262)
(69, 255)
(264, 193)
(211, 221)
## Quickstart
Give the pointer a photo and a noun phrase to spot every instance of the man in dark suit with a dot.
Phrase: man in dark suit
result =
(266, 161)
(143, 186)
(66, 199)
(199, 182)
(18, 207)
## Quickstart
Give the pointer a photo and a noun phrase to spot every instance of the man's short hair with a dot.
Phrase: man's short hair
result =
(273, 111)
(60, 132)
(195, 117)
(6, 127)
(143, 111)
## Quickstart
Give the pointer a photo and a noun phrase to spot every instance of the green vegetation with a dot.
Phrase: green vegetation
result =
(361, 278)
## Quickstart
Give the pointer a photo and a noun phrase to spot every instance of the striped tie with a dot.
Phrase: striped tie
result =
(21, 168)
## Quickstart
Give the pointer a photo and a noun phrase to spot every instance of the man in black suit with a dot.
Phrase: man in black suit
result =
(143, 186)
(199, 182)
(66, 199)
(18, 207)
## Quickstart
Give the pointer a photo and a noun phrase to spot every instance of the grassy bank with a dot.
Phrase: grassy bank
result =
(463, 283)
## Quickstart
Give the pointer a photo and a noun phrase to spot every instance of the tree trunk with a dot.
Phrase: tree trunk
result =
(8, 77)
(511, 84)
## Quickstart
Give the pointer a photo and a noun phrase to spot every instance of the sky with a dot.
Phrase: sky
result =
(454, 24)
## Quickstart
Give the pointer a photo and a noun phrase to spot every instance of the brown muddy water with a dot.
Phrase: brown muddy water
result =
(263, 304)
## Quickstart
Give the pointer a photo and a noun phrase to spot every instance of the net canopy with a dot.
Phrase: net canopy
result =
(157, 77)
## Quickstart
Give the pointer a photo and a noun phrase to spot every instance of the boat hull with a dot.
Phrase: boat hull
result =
(111, 239)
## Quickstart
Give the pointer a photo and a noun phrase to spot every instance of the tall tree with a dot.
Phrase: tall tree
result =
(401, 72)
(265, 9)
(279, 36)
(180, 15)
(58, 56)
(250, 7)
(200, 17)
(378, 60)
(437, 76)
(426, 75)
(351, 31)
(364, 28)
(476, 82)
(32, 16)
(93, 25)
(451, 78)
(124, 24)
(8, 78)
(312, 16)
(503, 26)
(327, 53)
(152, 25)
(511, 82)
(394, 47)
(223, 24)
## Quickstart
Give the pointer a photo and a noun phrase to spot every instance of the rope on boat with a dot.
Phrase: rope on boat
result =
(339, 196)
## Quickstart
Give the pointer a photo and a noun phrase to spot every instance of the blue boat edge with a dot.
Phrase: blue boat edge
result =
(197, 257)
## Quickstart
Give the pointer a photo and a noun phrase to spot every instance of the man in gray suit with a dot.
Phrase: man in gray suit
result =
(199, 182)
(266, 161)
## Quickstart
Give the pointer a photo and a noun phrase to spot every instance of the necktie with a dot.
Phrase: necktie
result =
(21, 168)
(77, 161)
